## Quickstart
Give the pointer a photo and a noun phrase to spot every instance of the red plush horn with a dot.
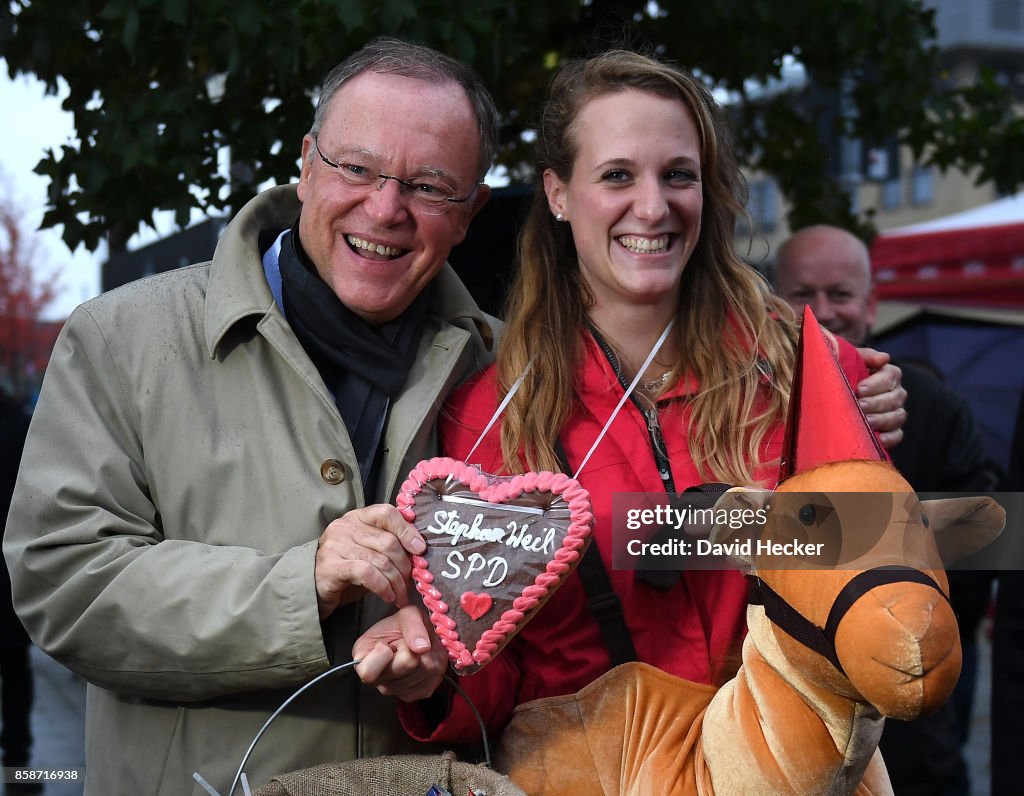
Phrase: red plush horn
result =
(825, 422)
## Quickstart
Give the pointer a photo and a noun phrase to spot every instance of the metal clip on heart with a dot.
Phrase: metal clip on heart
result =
(240, 777)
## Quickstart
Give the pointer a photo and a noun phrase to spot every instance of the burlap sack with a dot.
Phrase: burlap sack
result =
(405, 775)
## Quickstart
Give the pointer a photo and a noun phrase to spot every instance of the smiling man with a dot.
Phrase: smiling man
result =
(829, 270)
(201, 522)
(377, 239)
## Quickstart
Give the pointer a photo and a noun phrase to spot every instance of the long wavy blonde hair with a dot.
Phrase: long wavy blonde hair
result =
(731, 329)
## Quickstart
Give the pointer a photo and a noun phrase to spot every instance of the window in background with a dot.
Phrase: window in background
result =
(763, 204)
(922, 186)
(891, 194)
(1006, 15)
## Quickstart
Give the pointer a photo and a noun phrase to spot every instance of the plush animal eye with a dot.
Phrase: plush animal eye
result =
(806, 514)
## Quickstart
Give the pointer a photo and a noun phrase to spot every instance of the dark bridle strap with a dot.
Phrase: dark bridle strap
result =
(791, 621)
(865, 582)
(823, 640)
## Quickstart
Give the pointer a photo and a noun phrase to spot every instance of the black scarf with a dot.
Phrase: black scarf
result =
(364, 367)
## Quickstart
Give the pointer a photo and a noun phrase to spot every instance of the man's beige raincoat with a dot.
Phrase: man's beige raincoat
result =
(183, 460)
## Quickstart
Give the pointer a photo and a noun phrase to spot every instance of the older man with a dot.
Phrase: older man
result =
(190, 531)
(829, 269)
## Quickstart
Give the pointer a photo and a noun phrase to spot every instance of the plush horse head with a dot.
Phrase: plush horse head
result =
(840, 635)
(871, 622)
(866, 634)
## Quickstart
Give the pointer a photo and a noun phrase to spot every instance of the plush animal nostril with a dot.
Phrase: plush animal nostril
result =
(924, 630)
(914, 611)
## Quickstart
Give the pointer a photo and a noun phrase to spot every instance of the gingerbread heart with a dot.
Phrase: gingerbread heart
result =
(497, 548)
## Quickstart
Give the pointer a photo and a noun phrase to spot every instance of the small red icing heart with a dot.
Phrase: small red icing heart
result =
(495, 546)
(476, 605)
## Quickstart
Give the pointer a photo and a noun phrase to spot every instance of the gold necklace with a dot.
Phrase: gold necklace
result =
(655, 384)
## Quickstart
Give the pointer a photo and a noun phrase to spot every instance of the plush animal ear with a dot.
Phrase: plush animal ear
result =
(963, 525)
(734, 501)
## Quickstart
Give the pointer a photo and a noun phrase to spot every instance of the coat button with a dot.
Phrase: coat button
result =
(332, 471)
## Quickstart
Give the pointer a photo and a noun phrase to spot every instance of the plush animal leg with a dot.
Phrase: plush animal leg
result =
(771, 731)
(876, 778)
(631, 732)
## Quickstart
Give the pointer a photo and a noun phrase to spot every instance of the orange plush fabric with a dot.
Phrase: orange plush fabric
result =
(790, 721)
(623, 733)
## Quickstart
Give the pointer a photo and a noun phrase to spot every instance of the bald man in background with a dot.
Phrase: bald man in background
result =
(829, 269)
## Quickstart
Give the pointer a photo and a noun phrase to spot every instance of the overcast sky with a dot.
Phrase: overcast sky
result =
(34, 123)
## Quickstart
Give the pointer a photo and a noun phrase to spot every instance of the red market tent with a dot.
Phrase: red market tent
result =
(952, 294)
(974, 258)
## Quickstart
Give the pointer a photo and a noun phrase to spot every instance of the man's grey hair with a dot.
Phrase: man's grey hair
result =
(389, 56)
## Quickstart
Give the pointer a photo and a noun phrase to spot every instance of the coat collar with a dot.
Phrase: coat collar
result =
(237, 286)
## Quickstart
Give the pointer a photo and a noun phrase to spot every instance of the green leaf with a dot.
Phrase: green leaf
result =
(113, 9)
(176, 11)
(131, 29)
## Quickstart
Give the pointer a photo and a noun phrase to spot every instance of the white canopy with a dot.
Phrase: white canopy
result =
(1008, 210)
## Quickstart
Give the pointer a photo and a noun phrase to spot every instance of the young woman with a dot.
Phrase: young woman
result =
(633, 231)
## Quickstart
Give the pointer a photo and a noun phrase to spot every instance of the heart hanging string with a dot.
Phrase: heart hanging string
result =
(625, 396)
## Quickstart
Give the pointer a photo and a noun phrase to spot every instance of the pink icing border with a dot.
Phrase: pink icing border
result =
(581, 520)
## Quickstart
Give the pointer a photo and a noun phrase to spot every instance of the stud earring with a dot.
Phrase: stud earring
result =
(559, 217)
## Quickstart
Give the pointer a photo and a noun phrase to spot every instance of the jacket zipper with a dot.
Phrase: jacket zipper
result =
(650, 414)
